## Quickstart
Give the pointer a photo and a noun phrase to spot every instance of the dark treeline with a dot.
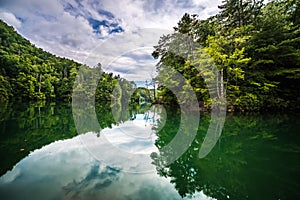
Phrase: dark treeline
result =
(255, 47)
(28, 73)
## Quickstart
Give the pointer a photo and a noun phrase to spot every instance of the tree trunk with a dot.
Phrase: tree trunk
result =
(40, 83)
(222, 84)
(218, 86)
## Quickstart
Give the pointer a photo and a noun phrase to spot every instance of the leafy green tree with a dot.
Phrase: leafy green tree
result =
(274, 49)
(254, 46)
(238, 13)
(5, 89)
(29, 73)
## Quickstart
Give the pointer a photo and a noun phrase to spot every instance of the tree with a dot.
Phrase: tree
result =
(254, 46)
(29, 73)
(238, 13)
(5, 89)
(274, 49)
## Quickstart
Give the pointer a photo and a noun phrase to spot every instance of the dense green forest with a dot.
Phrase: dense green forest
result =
(28, 73)
(255, 46)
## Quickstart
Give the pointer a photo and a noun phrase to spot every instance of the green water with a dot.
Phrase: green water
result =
(43, 157)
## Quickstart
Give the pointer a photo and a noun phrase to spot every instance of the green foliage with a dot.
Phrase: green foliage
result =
(5, 89)
(238, 13)
(254, 46)
(28, 73)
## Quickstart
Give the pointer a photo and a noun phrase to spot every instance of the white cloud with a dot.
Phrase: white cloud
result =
(157, 14)
(128, 54)
(10, 19)
(65, 27)
(135, 65)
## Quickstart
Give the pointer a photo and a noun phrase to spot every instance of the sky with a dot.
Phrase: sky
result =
(119, 34)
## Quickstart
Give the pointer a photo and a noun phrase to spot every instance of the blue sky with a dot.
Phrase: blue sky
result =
(75, 28)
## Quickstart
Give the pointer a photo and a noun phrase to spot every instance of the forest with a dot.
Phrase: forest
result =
(255, 46)
(28, 73)
(256, 50)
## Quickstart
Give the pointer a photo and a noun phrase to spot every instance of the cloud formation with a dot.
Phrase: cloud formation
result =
(74, 28)
(10, 19)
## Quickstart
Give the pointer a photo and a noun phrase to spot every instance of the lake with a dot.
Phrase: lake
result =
(43, 156)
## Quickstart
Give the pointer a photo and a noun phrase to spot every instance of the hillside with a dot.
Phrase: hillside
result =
(29, 73)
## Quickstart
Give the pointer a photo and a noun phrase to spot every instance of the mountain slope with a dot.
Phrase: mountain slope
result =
(30, 73)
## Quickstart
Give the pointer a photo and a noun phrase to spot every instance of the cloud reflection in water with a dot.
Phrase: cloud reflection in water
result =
(66, 170)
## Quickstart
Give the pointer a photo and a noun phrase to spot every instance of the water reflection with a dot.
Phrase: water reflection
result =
(257, 156)
(128, 145)
(26, 127)
(65, 170)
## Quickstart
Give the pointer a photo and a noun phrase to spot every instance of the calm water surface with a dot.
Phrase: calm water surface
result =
(43, 157)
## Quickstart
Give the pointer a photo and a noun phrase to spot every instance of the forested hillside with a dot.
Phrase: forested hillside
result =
(256, 48)
(28, 73)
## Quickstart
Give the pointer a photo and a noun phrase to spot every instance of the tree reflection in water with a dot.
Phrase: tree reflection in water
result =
(256, 157)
